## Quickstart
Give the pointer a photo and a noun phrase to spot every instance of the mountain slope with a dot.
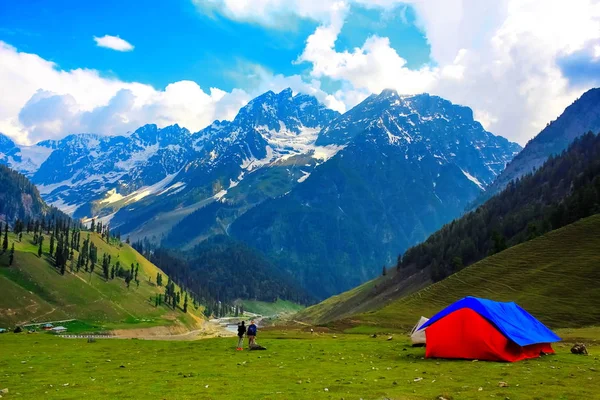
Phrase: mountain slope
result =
(566, 188)
(555, 277)
(32, 290)
(408, 165)
(262, 153)
(20, 199)
(580, 117)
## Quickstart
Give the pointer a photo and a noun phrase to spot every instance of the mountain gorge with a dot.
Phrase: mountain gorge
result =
(328, 197)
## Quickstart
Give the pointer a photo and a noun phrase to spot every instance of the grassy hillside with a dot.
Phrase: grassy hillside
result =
(271, 309)
(556, 277)
(32, 290)
(371, 295)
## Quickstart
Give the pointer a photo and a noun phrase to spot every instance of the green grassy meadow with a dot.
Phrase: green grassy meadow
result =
(270, 309)
(297, 365)
(32, 290)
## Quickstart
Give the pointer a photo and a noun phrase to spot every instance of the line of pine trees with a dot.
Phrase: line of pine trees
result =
(565, 189)
(64, 240)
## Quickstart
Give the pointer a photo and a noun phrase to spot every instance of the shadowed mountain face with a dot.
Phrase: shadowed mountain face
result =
(409, 165)
(580, 117)
(20, 199)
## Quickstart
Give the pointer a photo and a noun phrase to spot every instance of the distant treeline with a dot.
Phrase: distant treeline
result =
(221, 270)
(565, 189)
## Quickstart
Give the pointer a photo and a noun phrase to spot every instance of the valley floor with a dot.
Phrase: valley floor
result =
(297, 365)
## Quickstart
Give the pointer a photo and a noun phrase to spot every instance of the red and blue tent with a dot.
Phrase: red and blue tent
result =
(482, 329)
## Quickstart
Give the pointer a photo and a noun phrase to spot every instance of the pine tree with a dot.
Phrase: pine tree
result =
(93, 226)
(41, 241)
(51, 245)
(128, 279)
(137, 268)
(79, 262)
(5, 241)
(11, 256)
(185, 303)
(105, 267)
(20, 237)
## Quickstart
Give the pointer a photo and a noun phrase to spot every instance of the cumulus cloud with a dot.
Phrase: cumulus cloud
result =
(500, 59)
(46, 102)
(517, 63)
(113, 43)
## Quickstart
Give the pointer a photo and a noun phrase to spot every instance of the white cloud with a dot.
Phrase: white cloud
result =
(502, 58)
(499, 57)
(277, 13)
(46, 102)
(113, 43)
(264, 80)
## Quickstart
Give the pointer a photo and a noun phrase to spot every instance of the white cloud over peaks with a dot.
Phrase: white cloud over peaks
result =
(113, 43)
(264, 80)
(498, 57)
(45, 102)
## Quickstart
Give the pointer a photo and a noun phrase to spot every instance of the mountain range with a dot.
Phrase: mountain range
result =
(328, 197)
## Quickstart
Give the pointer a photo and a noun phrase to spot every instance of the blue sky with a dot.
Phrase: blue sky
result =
(516, 64)
(175, 41)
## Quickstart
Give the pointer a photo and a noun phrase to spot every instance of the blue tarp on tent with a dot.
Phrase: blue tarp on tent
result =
(510, 319)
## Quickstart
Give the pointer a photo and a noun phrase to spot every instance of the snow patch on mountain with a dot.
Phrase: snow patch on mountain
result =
(324, 153)
(138, 157)
(112, 197)
(48, 189)
(67, 208)
(219, 195)
(152, 189)
(304, 176)
(473, 179)
(252, 163)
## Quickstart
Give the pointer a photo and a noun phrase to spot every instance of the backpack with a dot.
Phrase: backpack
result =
(252, 330)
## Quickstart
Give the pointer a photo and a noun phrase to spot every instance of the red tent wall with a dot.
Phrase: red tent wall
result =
(466, 334)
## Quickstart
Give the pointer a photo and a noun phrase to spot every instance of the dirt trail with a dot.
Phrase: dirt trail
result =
(205, 331)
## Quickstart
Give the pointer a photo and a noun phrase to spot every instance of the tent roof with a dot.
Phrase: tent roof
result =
(510, 319)
(419, 325)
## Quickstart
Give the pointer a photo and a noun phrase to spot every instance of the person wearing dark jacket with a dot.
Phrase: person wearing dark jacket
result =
(241, 332)
(252, 330)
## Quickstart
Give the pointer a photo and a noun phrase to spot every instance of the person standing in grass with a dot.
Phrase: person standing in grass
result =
(252, 329)
(241, 332)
